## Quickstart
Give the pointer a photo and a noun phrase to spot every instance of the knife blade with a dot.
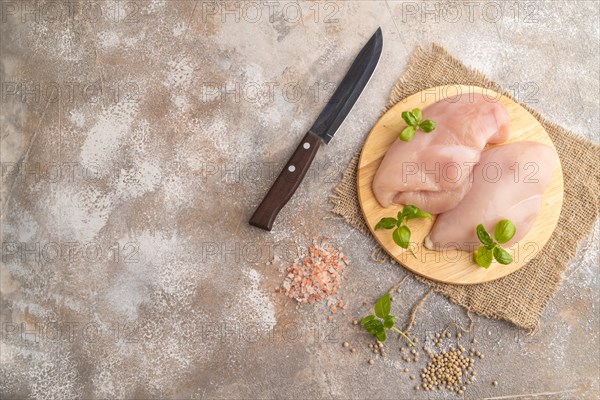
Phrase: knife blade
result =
(322, 131)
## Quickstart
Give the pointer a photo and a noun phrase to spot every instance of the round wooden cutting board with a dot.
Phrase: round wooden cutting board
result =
(453, 266)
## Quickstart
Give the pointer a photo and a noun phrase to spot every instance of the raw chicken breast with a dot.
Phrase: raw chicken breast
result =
(508, 183)
(432, 170)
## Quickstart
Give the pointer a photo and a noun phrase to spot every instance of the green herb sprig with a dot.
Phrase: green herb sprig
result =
(503, 232)
(415, 122)
(379, 323)
(401, 234)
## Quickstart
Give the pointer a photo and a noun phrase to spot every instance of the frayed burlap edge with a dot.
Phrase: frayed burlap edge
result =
(521, 297)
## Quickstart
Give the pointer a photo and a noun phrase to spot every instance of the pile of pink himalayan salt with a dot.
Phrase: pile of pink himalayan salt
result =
(316, 275)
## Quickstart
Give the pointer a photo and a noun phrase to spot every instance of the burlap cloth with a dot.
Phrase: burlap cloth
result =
(520, 297)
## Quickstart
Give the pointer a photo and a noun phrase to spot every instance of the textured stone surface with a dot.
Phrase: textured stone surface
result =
(134, 201)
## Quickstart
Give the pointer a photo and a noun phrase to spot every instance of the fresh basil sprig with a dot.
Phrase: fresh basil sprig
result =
(503, 232)
(415, 122)
(401, 234)
(379, 323)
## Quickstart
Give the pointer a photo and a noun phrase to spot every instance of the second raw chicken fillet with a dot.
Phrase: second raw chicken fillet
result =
(508, 183)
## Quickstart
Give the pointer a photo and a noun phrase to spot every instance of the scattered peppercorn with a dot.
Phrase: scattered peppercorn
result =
(448, 368)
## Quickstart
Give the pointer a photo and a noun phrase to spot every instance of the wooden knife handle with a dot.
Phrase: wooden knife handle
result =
(286, 183)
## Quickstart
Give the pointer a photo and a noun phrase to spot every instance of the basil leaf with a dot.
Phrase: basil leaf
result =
(412, 212)
(383, 306)
(407, 134)
(381, 336)
(504, 231)
(410, 118)
(483, 236)
(367, 319)
(427, 126)
(484, 257)
(389, 321)
(418, 114)
(386, 223)
(401, 236)
(409, 210)
(374, 326)
(422, 214)
(502, 256)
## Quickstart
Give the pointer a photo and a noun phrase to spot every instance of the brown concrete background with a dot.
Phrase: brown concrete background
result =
(147, 132)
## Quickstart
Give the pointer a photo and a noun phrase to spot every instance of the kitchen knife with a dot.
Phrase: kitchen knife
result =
(322, 131)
